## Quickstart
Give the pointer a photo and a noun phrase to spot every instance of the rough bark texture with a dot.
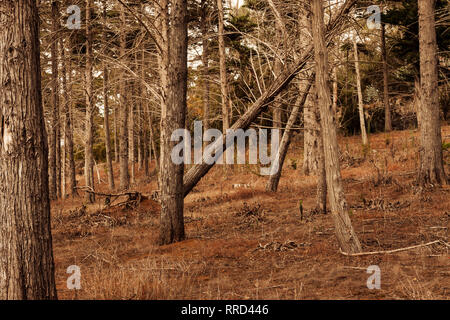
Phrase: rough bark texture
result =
(431, 168)
(346, 236)
(173, 117)
(88, 149)
(123, 113)
(310, 137)
(362, 121)
(205, 62)
(106, 112)
(387, 106)
(223, 69)
(194, 175)
(272, 184)
(68, 129)
(26, 258)
(53, 130)
(131, 141)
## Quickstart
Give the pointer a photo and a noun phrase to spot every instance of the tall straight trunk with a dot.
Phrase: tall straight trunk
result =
(431, 167)
(152, 137)
(223, 69)
(197, 172)
(116, 140)
(274, 180)
(321, 191)
(173, 117)
(68, 129)
(346, 236)
(27, 269)
(53, 136)
(131, 136)
(205, 62)
(106, 109)
(123, 111)
(88, 148)
(387, 106)
(362, 122)
(146, 143)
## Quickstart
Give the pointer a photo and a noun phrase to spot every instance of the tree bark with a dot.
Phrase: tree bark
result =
(123, 112)
(345, 234)
(272, 184)
(68, 128)
(88, 149)
(53, 136)
(205, 62)
(26, 258)
(106, 109)
(387, 106)
(131, 141)
(173, 117)
(362, 122)
(431, 167)
(310, 137)
(223, 69)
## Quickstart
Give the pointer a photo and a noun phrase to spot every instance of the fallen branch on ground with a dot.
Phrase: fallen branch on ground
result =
(392, 251)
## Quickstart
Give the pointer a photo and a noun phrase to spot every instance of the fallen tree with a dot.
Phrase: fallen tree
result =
(197, 172)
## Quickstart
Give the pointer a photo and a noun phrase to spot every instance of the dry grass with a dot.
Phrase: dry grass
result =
(220, 259)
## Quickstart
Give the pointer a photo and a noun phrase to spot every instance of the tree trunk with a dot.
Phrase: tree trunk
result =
(277, 103)
(68, 129)
(88, 149)
(387, 106)
(123, 112)
(131, 142)
(145, 119)
(272, 184)
(310, 137)
(106, 110)
(26, 257)
(194, 175)
(362, 122)
(223, 69)
(346, 236)
(173, 117)
(116, 140)
(431, 167)
(53, 136)
(321, 192)
(205, 62)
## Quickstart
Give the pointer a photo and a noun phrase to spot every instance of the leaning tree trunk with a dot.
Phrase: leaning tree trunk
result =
(88, 148)
(387, 106)
(223, 69)
(346, 236)
(26, 258)
(431, 168)
(362, 122)
(173, 117)
(195, 174)
(274, 180)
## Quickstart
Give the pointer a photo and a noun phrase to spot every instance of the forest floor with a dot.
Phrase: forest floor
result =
(246, 243)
